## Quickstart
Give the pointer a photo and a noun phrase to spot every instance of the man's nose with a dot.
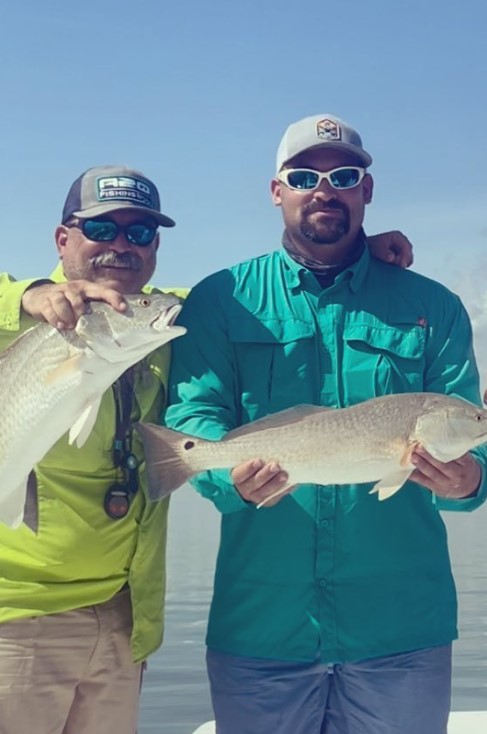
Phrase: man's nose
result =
(120, 243)
(325, 190)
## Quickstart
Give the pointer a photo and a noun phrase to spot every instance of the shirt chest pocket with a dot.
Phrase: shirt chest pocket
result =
(381, 359)
(274, 364)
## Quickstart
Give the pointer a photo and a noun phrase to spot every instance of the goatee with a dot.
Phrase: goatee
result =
(330, 232)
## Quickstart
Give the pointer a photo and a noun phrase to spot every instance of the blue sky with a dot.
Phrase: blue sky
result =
(198, 94)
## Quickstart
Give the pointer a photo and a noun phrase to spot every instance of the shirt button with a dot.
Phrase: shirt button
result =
(324, 523)
(323, 583)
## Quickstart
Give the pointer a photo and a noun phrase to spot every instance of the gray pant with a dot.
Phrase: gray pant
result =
(399, 694)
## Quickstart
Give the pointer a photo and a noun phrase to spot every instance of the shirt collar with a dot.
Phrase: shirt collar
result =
(354, 273)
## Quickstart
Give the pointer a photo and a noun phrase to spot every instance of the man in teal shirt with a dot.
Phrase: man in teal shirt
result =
(331, 612)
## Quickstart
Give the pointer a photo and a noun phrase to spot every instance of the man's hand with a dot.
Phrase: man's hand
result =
(392, 247)
(61, 304)
(255, 481)
(454, 480)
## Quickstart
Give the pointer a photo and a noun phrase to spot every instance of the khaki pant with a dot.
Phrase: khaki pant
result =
(70, 673)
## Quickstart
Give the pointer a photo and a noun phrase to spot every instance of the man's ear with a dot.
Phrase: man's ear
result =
(61, 237)
(368, 188)
(276, 192)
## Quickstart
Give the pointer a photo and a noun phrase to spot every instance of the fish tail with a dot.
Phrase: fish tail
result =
(166, 467)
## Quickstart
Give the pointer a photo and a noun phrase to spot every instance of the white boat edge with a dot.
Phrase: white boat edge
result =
(460, 722)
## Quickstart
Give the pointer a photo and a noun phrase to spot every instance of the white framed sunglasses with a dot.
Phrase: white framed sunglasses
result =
(307, 179)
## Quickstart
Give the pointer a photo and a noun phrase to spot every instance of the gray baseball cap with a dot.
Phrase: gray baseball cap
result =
(319, 131)
(106, 189)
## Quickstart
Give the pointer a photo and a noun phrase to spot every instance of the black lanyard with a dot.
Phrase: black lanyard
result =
(119, 496)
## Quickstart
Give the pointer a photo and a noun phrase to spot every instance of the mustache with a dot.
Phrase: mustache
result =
(114, 259)
(320, 206)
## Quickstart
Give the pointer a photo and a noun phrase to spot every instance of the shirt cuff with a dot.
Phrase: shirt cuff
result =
(218, 487)
(11, 302)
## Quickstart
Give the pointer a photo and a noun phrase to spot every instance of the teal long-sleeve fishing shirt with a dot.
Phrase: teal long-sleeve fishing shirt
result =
(329, 572)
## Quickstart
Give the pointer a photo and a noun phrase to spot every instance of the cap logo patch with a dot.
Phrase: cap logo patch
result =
(328, 130)
(124, 188)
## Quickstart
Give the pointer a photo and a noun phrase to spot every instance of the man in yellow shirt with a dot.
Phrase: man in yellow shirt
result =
(82, 599)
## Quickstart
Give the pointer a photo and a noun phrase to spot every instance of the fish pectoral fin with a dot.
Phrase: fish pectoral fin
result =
(405, 459)
(391, 484)
(63, 370)
(82, 427)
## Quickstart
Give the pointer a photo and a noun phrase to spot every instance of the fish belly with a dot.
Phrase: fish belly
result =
(331, 472)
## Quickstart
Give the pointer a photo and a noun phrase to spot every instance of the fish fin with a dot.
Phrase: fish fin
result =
(83, 426)
(165, 467)
(275, 420)
(280, 491)
(64, 370)
(405, 460)
(391, 484)
(12, 506)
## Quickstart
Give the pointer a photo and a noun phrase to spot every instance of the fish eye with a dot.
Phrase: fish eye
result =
(478, 417)
(145, 302)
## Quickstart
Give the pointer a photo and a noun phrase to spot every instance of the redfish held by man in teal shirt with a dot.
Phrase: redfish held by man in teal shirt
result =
(370, 441)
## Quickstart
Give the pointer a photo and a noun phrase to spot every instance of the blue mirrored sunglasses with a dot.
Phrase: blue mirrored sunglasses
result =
(106, 230)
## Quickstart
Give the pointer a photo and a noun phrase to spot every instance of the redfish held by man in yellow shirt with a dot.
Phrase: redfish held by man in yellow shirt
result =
(52, 382)
(369, 442)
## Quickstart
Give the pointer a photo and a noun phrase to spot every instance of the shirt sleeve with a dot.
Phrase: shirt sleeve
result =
(202, 386)
(452, 369)
(12, 319)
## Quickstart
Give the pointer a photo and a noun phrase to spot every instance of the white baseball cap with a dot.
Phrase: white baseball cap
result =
(319, 131)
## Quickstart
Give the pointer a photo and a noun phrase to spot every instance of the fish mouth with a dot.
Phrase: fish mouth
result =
(166, 318)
